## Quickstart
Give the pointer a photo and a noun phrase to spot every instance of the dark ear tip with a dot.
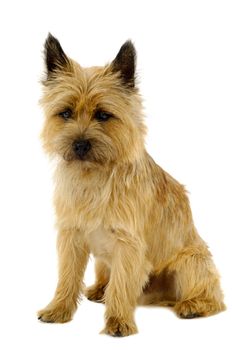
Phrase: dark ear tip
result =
(50, 36)
(129, 45)
(128, 48)
(51, 41)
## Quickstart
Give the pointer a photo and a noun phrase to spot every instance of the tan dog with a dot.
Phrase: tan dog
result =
(114, 201)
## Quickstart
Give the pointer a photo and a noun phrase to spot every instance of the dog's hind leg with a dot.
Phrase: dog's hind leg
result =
(190, 283)
(159, 290)
(197, 283)
(97, 290)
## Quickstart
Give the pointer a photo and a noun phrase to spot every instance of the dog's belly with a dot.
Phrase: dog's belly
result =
(101, 244)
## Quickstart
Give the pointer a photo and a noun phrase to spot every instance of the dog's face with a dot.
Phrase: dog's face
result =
(93, 115)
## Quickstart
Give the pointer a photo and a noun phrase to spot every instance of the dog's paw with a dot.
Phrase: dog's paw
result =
(56, 313)
(95, 293)
(119, 328)
(189, 309)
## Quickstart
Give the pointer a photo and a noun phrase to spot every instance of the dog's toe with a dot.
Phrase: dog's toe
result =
(56, 314)
(119, 328)
(190, 316)
(117, 334)
(95, 293)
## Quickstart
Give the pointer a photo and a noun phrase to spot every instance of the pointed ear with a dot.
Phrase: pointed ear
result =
(125, 63)
(55, 58)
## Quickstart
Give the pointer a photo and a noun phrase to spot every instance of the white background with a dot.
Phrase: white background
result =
(185, 68)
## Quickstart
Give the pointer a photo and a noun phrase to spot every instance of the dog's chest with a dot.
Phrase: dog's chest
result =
(94, 204)
(101, 243)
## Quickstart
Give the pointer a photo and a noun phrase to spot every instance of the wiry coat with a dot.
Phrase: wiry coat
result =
(117, 203)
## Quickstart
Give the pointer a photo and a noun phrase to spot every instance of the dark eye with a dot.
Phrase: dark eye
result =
(66, 114)
(102, 116)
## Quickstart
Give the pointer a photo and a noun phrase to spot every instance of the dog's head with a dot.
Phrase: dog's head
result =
(93, 115)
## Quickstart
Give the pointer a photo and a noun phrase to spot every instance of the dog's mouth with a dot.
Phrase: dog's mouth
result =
(71, 156)
(82, 158)
(87, 162)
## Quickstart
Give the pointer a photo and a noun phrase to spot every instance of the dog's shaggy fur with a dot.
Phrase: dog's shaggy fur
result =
(114, 201)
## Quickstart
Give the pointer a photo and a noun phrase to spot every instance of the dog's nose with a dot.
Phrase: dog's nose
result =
(81, 147)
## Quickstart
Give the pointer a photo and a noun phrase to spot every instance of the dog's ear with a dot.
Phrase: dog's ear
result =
(125, 64)
(55, 58)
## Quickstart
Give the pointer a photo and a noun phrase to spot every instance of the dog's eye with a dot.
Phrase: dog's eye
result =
(102, 116)
(66, 114)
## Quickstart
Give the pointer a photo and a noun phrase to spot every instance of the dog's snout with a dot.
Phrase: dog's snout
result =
(81, 147)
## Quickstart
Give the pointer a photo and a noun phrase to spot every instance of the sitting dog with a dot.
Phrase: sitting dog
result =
(114, 201)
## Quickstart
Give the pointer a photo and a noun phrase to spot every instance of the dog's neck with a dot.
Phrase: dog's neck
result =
(87, 171)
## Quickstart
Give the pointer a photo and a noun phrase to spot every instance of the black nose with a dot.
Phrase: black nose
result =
(81, 147)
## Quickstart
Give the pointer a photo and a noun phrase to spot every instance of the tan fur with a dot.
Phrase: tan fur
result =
(120, 206)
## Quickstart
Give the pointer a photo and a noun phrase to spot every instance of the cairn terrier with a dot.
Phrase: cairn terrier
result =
(113, 201)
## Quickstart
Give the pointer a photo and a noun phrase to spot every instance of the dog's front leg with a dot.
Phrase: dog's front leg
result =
(73, 256)
(129, 273)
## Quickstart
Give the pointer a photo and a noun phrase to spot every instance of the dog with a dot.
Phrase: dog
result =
(113, 201)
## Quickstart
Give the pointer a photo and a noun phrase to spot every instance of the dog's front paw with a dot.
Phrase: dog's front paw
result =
(119, 328)
(95, 293)
(56, 313)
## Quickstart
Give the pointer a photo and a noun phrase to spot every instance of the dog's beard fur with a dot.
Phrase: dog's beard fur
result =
(113, 200)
